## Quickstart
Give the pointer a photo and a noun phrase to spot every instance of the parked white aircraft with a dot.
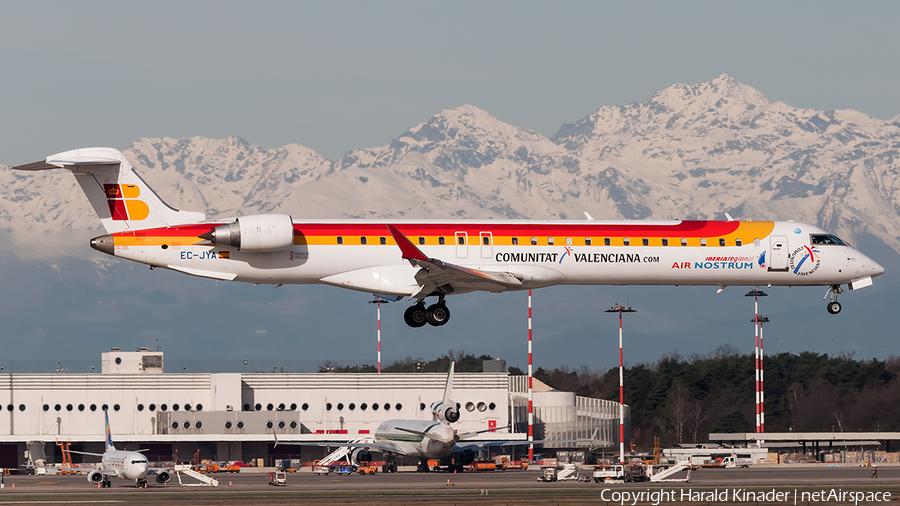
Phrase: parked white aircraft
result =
(424, 439)
(122, 464)
(420, 259)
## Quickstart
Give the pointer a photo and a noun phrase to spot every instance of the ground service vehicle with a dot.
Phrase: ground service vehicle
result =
(278, 479)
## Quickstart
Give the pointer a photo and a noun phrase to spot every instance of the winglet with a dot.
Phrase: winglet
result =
(407, 248)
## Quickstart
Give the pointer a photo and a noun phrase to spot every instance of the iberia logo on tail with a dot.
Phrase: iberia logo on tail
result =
(124, 204)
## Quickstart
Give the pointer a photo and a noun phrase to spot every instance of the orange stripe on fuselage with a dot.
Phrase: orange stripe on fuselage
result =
(502, 233)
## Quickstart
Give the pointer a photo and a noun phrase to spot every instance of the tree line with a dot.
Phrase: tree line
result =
(683, 399)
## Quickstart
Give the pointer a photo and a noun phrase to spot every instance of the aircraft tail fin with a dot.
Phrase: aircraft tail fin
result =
(448, 389)
(109, 443)
(446, 410)
(122, 200)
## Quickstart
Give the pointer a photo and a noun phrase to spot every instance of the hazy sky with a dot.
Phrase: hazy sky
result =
(334, 76)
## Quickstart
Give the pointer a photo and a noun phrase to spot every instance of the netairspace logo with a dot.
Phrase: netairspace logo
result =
(740, 495)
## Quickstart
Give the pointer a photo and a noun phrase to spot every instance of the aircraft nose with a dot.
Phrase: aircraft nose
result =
(877, 269)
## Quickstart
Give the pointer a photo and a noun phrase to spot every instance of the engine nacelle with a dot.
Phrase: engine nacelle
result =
(360, 455)
(465, 457)
(447, 413)
(163, 477)
(95, 477)
(258, 233)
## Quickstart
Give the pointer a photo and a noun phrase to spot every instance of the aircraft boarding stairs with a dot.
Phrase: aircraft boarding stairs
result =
(322, 466)
(186, 470)
(663, 475)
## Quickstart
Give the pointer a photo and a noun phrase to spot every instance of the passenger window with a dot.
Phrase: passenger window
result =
(550, 241)
(703, 242)
(737, 242)
(606, 241)
(340, 240)
(646, 241)
(440, 240)
(362, 240)
(534, 241)
(587, 241)
(626, 241)
(665, 241)
(515, 241)
(683, 241)
(756, 242)
(461, 240)
(721, 242)
(421, 240)
(568, 241)
(485, 240)
(383, 240)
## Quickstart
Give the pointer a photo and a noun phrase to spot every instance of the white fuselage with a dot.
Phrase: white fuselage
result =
(770, 253)
(414, 445)
(128, 465)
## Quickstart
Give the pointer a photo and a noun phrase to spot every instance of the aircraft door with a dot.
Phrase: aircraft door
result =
(778, 253)
(462, 245)
(487, 244)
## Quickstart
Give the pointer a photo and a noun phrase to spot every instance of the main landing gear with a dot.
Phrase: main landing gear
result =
(834, 307)
(435, 315)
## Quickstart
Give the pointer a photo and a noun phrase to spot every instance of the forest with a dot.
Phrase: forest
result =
(682, 399)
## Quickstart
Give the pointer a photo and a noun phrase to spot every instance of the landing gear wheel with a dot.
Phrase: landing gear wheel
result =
(437, 314)
(834, 307)
(415, 316)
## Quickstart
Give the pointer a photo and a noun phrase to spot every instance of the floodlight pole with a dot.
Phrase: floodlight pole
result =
(756, 293)
(378, 301)
(530, 389)
(762, 389)
(621, 309)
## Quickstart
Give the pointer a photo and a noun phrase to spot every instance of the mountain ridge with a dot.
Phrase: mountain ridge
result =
(690, 151)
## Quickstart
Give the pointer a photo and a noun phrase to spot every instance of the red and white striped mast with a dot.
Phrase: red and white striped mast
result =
(762, 390)
(621, 309)
(378, 301)
(756, 293)
(530, 389)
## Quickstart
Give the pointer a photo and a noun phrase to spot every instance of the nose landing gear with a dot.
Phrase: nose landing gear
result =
(833, 307)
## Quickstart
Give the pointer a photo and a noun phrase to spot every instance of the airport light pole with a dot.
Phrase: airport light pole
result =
(756, 293)
(530, 389)
(762, 388)
(379, 301)
(621, 309)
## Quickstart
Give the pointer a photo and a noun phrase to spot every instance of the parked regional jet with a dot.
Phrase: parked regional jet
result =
(436, 258)
(122, 464)
(424, 439)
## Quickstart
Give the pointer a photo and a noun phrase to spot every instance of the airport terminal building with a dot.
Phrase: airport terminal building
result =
(241, 416)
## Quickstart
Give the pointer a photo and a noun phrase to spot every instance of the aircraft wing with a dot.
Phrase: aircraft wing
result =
(372, 447)
(86, 453)
(478, 445)
(436, 273)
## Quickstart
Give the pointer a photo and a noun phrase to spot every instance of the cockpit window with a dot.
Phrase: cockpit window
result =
(827, 239)
(137, 461)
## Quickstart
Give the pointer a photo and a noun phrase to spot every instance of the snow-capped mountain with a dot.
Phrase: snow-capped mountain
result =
(690, 151)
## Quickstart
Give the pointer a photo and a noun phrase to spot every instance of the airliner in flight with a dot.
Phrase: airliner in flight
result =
(425, 439)
(419, 259)
(122, 464)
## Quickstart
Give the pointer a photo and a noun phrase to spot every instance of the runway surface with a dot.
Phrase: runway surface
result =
(501, 488)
